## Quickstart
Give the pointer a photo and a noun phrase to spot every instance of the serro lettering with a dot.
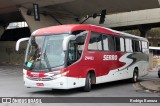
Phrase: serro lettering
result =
(110, 57)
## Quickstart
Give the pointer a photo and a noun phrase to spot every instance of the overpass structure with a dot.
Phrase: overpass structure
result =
(122, 14)
(143, 20)
(65, 10)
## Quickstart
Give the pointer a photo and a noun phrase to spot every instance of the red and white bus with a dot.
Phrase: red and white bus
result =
(79, 55)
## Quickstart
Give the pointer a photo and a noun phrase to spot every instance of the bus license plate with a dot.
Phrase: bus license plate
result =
(39, 84)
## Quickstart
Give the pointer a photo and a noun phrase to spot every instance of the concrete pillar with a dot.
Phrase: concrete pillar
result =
(45, 21)
(143, 30)
(1, 30)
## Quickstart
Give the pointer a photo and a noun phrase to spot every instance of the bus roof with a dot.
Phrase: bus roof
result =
(69, 29)
(74, 27)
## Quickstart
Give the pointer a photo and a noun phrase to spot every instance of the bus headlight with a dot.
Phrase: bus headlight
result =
(58, 75)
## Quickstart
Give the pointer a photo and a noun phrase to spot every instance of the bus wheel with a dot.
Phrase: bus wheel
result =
(88, 83)
(159, 73)
(135, 76)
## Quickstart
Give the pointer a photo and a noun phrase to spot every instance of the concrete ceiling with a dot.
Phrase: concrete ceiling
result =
(9, 11)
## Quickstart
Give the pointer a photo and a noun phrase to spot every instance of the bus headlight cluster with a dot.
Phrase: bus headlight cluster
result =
(58, 75)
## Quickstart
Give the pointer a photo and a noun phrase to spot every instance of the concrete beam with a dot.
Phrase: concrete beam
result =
(45, 21)
(132, 18)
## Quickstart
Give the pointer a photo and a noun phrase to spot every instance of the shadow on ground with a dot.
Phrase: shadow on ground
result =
(59, 92)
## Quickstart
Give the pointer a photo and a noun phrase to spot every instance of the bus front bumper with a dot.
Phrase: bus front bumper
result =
(59, 83)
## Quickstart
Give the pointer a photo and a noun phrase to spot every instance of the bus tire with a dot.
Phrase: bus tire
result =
(135, 76)
(159, 73)
(88, 83)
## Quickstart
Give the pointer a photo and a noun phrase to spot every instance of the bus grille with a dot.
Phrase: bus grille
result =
(40, 79)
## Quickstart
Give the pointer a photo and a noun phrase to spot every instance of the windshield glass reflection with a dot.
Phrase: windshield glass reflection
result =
(45, 52)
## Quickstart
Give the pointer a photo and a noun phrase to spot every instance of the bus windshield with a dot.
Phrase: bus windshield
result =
(45, 52)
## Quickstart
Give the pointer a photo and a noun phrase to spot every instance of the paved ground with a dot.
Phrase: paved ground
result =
(11, 83)
(151, 85)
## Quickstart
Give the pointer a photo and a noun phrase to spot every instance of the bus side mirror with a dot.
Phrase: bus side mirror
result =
(66, 41)
(19, 41)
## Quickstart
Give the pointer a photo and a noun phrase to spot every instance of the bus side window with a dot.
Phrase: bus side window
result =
(128, 44)
(140, 46)
(145, 47)
(95, 42)
(137, 46)
(111, 43)
(105, 42)
(117, 44)
(71, 51)
(122, 44)
(133, 45)
(76, 48)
